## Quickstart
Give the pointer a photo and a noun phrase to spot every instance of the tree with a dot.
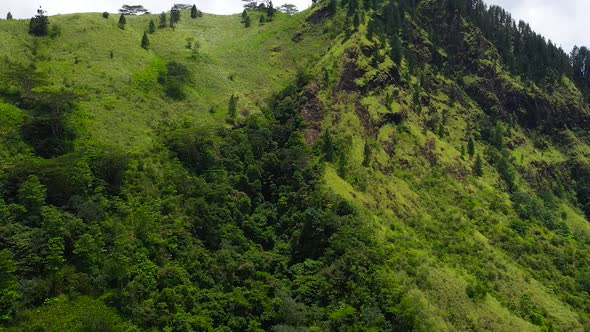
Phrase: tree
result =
(396, 49)
(250, 4)
(332, 7)
(163, 21)
(105, 14)
(145, 41)
(498, 141)
(174, 15)
(232, 109)
(194, 12)
(270, 11)
(244, 16)
(132, 10)
(471, 147)
(122, 21)
(32, 194)
(182, 6)
(328, 146)
(9, 295)
(9, 16)
(356, 21)
(289, 9)
(507, 172)
(38, 24)
(247, 22)
(262, 19)
(367, 155)
(152, 27)
(478, 166)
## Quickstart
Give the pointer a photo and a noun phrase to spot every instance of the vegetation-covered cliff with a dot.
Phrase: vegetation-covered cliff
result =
(363, 165)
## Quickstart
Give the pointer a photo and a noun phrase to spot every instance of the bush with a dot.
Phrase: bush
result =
(105, 15)
(174, 79)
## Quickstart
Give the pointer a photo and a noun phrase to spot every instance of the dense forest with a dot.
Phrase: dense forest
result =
(364, 165)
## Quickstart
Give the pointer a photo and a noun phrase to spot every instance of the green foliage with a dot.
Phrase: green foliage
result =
(232, 107)
(163, 20)
(332, 7)
(174, 79)
(471, 147)
(478, 166)
(175, 14)
(247, 21)
(194, 12)
(145, 41)
(477, 291)
(122, 22)
(32, 195)
(152, 27)
(80, 314)
(39, 24)
(270, 11)
(9, 295)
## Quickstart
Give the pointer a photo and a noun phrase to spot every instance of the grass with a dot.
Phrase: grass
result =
(122, 102)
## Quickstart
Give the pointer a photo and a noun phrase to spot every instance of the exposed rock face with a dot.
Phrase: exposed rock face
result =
(312, 112)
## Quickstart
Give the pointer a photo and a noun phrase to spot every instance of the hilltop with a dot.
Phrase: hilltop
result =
(373, 165)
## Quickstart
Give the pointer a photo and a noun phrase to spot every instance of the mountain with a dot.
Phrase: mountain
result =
(363, 165)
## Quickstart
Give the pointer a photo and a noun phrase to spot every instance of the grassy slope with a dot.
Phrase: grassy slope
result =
(445, 231)
(122, 102)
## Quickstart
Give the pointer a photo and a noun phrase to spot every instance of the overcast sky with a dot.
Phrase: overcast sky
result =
(27, 8)
(562, 21)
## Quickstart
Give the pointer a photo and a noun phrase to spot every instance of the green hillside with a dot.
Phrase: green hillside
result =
(360, 166)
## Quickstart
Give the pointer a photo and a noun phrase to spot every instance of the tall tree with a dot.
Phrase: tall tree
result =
(174, 15)
(244, 15)
(332, 7)
(270, 11)
(145, 41)
(122, 21)
(328, 146)
(9, 16)
(232, 109)
(478, 167)
(163, 21)
(38, 25)
(9, 295)
(152, 27)
(194, 11)
(471, 147)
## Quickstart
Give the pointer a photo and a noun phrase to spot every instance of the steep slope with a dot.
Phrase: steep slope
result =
(391, 167)
(122, 102)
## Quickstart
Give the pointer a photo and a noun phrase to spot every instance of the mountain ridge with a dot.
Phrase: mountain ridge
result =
(398, 178)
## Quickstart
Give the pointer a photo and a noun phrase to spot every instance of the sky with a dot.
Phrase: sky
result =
(27, 8)
(562, 21)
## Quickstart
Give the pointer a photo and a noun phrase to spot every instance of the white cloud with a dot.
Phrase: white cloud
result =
(27, 8)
